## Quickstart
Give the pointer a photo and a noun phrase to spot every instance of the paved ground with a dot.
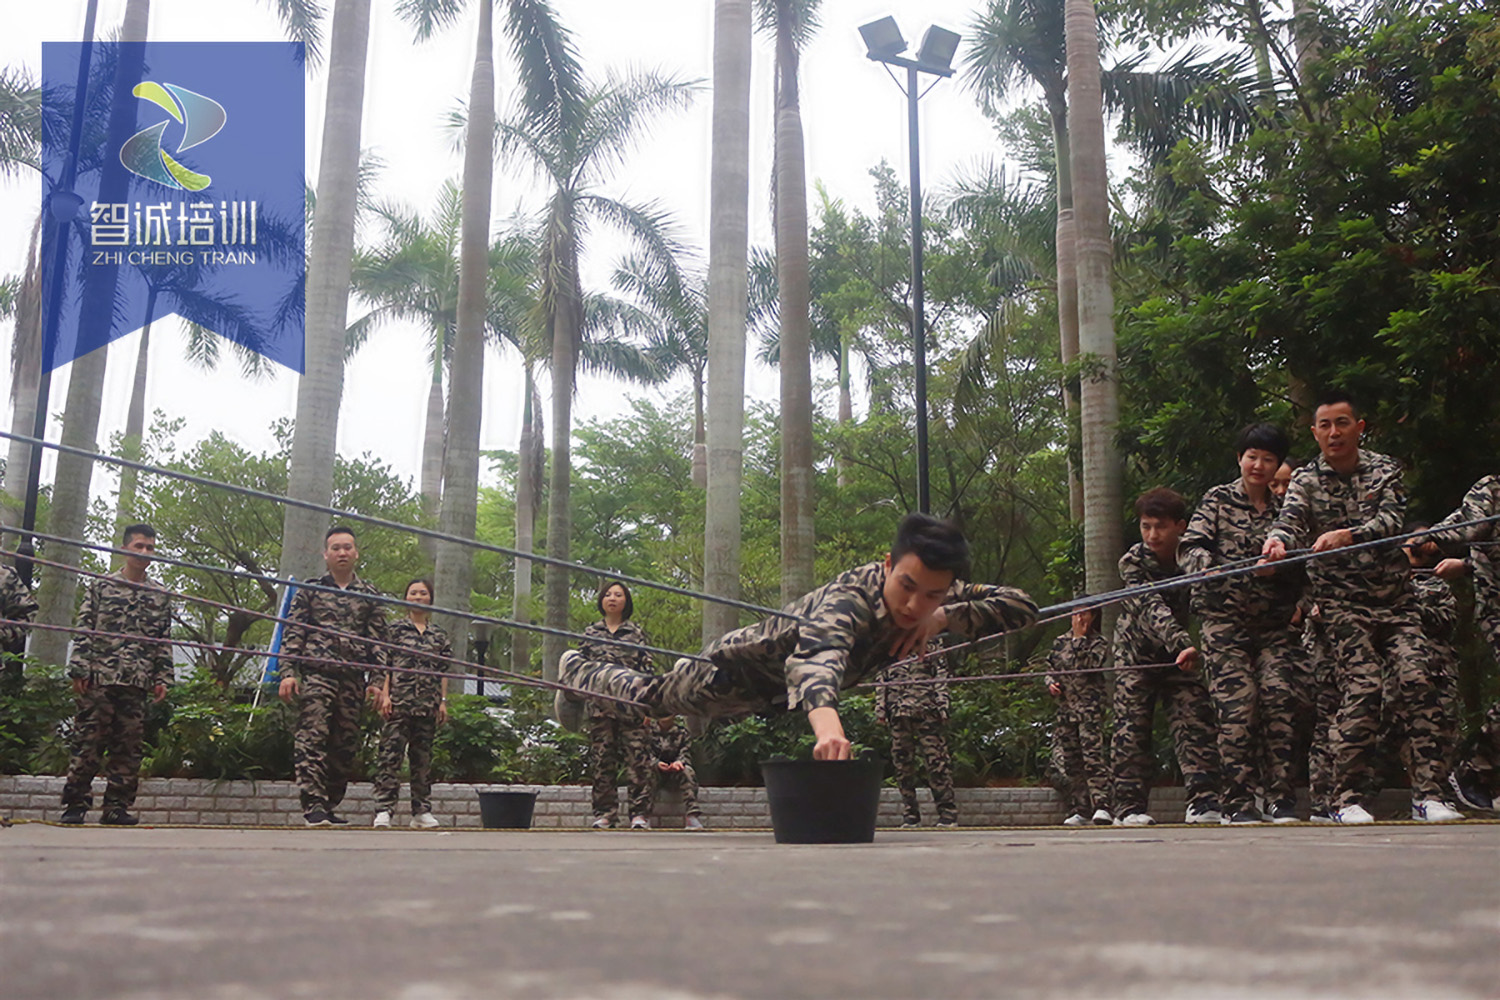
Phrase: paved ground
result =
(1270, 913)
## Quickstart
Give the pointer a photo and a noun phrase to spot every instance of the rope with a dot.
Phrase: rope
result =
(246, 491)
(1023, 675)
(250, 575)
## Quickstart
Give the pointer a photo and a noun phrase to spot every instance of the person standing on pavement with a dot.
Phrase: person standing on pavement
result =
(1080, 755)
(415, 704)
(112, 673)
(332, 642)
(917, 715)
(618, 735)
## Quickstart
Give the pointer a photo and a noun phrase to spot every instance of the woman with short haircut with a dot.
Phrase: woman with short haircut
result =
(618, 734)
(416, 703)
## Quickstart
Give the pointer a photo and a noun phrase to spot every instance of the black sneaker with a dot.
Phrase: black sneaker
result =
(73, 815)
(336, 820)
(1243, 817)
(1468, 793)
(118, 817)
(1283, 812)
(316, 817)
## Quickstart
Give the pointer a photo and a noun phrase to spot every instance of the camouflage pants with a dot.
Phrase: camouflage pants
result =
(1080, 758)
(405, 735)
(690, 688)
(1442, 670)
(111, 720)
(686, 784)
(1363, 653)
(1252, 678)
(1190, 714)
(327, 737)
(924, 734)
(1320, 706)
(615, 741)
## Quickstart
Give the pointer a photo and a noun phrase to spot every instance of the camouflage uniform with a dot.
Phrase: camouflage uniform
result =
(1249, 644)
(1321, 706)
(16, 605)
(1153, 629)
(619, 735)
(332, 694)
(917, 716)
(1438, 610)
(671, 747)
(412, 725)
(112, 711)
(1483, 500)
(1079, 754)
(836, 636)
(1370, 616)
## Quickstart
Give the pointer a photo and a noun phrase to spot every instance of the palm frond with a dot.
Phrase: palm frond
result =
(427, 17)
(303, 21)
(546, 60)
(618, 113)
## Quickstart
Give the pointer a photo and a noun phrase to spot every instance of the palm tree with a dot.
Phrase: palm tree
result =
(574, 152)
(321, 388)
(793, 22)
(728, 242)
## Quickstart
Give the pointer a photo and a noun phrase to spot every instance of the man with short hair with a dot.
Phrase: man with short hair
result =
(824, 642)
(1346, 496)
(917, 714)
(112, 672)
(326, 666)
(1152, 629)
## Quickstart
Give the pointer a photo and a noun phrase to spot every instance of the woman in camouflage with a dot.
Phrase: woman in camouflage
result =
(618, 734)
(415, 704)
(1080, 756)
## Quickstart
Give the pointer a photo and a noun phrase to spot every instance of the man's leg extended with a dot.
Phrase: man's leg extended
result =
(689, 688)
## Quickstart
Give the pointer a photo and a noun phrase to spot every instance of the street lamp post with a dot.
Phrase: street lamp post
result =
(883, 44)
(479, 632)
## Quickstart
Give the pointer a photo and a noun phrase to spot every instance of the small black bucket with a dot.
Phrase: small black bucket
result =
(823, 801)
(506, 810)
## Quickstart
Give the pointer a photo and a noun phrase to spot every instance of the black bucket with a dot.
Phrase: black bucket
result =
(823, 801)
(506, 810)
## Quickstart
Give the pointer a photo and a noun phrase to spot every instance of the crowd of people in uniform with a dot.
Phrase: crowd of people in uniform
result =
(1316, 666)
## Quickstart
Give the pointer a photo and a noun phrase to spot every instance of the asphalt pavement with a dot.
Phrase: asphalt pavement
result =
(1265, 912)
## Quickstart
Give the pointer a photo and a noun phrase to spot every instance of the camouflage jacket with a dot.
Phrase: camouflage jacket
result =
(673, 745)
(1227, 528)
(416, 694)
(841, 633)
(1076, 652)
(611, 652)
(348, 611)
(1371, 503)
(114, 604)
(1482, 500)
(919, 701)
(1152, 628)
(16, 604)
(1437, 607)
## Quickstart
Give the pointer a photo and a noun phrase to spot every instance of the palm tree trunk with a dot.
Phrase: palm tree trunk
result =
(566, 332)
(433, 434)
(728, 239)
(1103, 485)
(135, 423)
(700, 439)
(846, 407)
(796, 333)
(70, 485)
(321, 388)
(1067, 288)
(454, 574)
(527, 479)
(26, 374)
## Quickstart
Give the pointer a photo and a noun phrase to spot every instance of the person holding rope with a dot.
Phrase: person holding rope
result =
(1080, 757)
(1153, 629)
(618, 734)
(331, 694)
(1350, 495)
(414, 704)
(112, 676)
(1249, 642)
(17, 605)
(826, 641)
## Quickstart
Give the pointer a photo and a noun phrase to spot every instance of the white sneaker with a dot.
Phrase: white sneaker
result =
(383, 820)
(1355, 815)
(1074, 820)
(1208, 814)
(693, 823)
(1435, 811)
(1135, 819)
(425, 821)
(640, 823)
(1102, 817)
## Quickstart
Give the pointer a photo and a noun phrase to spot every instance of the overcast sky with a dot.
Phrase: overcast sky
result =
(852, 113)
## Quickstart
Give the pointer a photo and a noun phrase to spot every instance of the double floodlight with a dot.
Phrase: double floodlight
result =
(884, 43)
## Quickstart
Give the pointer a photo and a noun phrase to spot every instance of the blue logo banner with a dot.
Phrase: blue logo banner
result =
(188, 196)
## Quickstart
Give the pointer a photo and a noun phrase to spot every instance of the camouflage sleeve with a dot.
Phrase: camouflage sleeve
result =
(161, 628)
(976, 610)
(1200, 543)
(1151, 612)
(1390, 510)
(1294, 523)
(82, 663)
(642, 657)
(294, 636)
(445, 650)
(815, 669)
(375, 630)
(1477, 504)
(19, 605)
(1440, 612)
